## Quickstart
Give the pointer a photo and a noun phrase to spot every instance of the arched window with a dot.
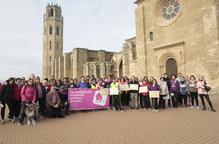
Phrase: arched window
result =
(151, 36)
(51, 13)
(50, 30)
(50, 59)
(57, 30)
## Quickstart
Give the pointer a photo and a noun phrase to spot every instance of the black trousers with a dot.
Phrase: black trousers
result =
(162, 102)
(203, 97)
(65, 108)
(9, 104)
(194, 97)
(116, 102)
(182, 99)
(111, 101)
(124, 98)
(16, 108)
(54, 112)
(42, 104)
(175, 99)
(146, 101)
(155, 103)
(128, 99)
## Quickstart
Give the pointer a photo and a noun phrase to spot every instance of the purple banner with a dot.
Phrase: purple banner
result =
(86, 99)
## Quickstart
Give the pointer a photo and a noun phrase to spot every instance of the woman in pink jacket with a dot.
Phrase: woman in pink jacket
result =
(28, 96)
(203, 93)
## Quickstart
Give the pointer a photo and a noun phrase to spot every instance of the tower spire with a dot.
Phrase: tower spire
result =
(52, 38)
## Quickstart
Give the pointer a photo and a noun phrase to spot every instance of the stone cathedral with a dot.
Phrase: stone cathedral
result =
(171, 36)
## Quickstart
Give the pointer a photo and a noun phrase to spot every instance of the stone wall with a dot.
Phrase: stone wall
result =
(191, 39)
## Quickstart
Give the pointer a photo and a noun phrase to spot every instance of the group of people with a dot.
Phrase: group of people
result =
(51, 96)
(176, 91)
(18, 94)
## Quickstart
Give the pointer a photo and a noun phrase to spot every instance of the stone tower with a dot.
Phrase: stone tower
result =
(52, 38)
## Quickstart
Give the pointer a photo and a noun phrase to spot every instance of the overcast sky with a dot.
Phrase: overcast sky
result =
(93, 24)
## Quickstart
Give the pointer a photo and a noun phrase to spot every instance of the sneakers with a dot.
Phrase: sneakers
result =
(192, 107)
(2, 122)
(197, 107)
(154, 110)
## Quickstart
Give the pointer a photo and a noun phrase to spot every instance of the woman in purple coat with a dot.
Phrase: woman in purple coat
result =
(154, 87)
(174, 91)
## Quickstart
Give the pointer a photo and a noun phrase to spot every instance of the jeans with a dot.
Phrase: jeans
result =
(175, 99)
(116, 102)
(155, 103)
(23, 108)
(134, 100)
(194, 96)
(146, 101)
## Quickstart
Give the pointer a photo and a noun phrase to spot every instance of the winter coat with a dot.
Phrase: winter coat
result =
(7, 93)
(164, 88)
(28, 93)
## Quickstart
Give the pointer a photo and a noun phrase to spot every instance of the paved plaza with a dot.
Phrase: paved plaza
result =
(170, 126)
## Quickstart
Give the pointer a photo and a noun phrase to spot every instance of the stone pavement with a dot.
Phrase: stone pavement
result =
(170, 126)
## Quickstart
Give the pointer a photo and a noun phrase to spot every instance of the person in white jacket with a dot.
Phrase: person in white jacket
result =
(163, 93)
(203, 93)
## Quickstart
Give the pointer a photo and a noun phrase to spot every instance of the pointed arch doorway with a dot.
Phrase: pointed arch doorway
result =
(171, 66)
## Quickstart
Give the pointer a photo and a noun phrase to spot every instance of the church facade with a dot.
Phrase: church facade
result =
(178, 36)
(173, 36)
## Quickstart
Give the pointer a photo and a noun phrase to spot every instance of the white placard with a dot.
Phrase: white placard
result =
(133, 87)
(154, 94)
(104, 91)
(114, 91)
(143, 89)
(124, 87)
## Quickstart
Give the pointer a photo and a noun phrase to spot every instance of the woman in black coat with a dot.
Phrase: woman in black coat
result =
(6, 98)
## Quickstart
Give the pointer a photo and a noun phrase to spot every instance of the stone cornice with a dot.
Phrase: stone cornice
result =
(169, 46)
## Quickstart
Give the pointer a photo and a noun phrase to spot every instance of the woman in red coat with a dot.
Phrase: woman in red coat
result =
(16, 98)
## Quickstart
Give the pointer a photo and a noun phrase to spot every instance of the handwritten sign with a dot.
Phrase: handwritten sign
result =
(114, 91)
(124, 87)
(143, 89)
(154, 94)
(104, 91)
(133, 87)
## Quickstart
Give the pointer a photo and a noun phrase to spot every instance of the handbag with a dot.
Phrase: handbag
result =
(207, 88)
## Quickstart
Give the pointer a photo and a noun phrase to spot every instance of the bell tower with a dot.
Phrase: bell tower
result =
(52, 38)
